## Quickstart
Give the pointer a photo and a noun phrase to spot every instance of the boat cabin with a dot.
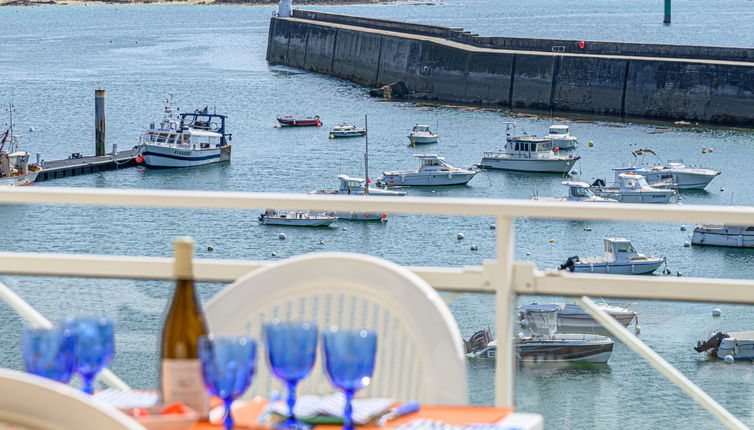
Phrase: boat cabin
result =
(632, 181)
(432, 162)
(558, 130)
(420, 128)
(620, 250)
(196, 130)
(528, 144)
(579, 190)
(350, 184)
(14, 164)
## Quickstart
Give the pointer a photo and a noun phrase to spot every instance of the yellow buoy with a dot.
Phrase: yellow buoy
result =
(591, 144)
(552, 240)
(331, 137)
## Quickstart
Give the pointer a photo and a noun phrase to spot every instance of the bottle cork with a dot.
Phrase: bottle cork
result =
(183, 267)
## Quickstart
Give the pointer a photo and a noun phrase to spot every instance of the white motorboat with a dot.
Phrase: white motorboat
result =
(561, 137)
(15, 169)
(543, 344)
(723, 235)
(673, 174)
(738, 345)
(191, 139)
(433, 170)
(529, 154)
(347, 130)
(577, 192)
(620, 259)
(631, 188)
(421, 134)
(572, 318)
(358, 186)
(296, 218)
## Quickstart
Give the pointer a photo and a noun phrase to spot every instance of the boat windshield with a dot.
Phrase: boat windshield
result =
(626, 247)
(558, 130)
(162, 137)
(581, 192)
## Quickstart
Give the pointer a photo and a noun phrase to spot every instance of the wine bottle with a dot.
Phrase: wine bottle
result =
(180, 369)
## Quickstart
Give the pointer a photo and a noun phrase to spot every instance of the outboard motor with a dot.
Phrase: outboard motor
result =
(599, 183)
(477, 341)
(569, 263)
(711, 344)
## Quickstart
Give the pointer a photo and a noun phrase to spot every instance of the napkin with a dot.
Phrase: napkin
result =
(128, 399)
(425, 424)
(309, 406)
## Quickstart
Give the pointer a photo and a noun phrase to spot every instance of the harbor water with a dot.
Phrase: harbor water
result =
(54, 57)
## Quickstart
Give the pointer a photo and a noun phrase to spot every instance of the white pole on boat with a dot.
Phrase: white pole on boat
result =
(659, 363)
(366, 156)
(33, 317)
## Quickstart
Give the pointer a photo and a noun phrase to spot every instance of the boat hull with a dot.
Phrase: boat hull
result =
(576, 322)
(414, 179)
(156, 156)
(634, 268)
(422, 140)
(19, 181)
(293, 122)
(739, 349)
(320, 222)
(359, 216)
(529, 165)
(650, 197)
(562, 348)
(713, 237)
(341, 134)
(680, 180)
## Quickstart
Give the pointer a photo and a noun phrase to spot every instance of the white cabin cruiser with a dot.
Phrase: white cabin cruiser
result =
(543, 344)
(347, 130)
(620, 259)
(723, 235)
(631, 188)
(433, 170)
(357, 186)
(529, 154)
(673, 174)
(738, 345)
(561, 137)
(15, 169)
(191, 139)
(577, 192)
(421, 134)
(572, 318)
(296, 218)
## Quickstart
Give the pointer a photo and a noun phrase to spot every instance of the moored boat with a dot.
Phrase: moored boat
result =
(620, 259)
(296, 218)
(347, 130)
(15, 169)
(421, 134)
(293, 121)
(561, 137)
(572, 318)
(731, 236)
(631, 188)
(358, 186)
(577, 192)
(188, 140)
(433, 170)
(737, 345)
(673, 174)
(529, 154)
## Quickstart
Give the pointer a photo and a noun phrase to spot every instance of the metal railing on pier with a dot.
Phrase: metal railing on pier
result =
(502, 276)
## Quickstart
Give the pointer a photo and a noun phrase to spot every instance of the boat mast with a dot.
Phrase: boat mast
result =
(366, 157)
(9, 134)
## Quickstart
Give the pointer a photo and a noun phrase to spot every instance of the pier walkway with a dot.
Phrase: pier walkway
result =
(87, 164)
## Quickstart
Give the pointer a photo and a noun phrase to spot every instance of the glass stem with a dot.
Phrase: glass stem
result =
(291, 401)
(228, 421)
(88, 381)
(348, 412)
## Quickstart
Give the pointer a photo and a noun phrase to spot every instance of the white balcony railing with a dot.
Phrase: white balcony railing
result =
(502, 276)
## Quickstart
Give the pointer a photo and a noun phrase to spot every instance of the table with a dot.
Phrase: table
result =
(246, 417)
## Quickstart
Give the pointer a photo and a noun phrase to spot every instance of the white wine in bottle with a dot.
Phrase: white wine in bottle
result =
(180, 370)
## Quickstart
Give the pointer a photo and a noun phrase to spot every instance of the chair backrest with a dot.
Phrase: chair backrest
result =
(32, 402)
(419, 348)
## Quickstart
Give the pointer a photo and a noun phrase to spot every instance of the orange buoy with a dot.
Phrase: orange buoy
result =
(139, 159)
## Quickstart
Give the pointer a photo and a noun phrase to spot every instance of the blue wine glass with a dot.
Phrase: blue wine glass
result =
(228, 366)
(291, 352)
(94, 349)
(349, 361)
(50, 352)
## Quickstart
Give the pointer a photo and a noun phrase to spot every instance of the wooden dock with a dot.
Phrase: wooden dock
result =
(83, 165)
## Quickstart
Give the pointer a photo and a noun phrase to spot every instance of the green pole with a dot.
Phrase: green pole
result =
(667, 12)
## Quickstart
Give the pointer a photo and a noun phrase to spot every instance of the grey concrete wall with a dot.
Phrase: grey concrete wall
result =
(703, 91)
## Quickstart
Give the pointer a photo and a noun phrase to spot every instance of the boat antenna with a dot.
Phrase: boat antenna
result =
(366, 156)
(8, 137)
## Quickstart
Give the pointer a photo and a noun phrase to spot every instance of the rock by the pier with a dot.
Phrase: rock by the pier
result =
(395, 90)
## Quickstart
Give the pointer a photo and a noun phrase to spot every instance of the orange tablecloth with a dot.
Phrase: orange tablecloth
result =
(246, 416)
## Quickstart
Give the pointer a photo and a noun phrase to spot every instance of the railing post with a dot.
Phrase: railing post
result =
(502, 279)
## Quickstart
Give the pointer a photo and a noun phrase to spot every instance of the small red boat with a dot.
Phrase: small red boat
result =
(292, 121)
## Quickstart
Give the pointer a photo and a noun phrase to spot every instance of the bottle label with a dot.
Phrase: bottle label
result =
(182, 382)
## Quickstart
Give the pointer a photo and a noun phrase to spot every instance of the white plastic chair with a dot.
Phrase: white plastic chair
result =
(32, 402)
(419, 348)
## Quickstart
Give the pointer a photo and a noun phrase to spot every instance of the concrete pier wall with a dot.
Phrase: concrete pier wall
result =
(448, 64)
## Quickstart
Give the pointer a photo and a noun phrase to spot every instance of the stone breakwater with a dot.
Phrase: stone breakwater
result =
(666, 82)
